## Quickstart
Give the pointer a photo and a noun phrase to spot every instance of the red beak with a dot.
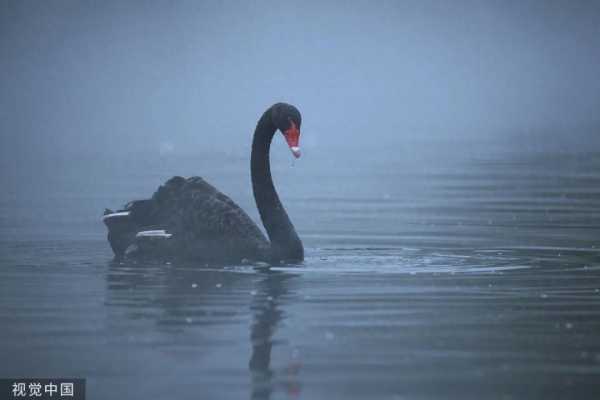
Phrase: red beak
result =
(292, 137)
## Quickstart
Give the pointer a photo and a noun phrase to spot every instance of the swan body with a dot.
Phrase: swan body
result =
(190, 219)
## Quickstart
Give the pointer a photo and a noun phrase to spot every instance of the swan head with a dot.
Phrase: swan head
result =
(287, 119)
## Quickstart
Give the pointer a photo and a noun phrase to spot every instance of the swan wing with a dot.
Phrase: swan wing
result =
(206, 224)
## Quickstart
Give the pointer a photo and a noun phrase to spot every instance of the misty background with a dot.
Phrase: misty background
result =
(448, 196)
(84, 81)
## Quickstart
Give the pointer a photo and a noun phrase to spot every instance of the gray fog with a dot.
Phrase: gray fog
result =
(447, 198)
(91, 78)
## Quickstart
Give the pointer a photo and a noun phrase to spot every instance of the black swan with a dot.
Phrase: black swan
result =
(190, 219)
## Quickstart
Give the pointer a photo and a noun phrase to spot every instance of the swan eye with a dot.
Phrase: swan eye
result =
(293, 123)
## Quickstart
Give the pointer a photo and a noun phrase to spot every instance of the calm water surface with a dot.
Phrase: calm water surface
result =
(427, 275)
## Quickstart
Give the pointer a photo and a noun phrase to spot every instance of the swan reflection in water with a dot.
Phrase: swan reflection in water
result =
(205, 312)
(267, 314)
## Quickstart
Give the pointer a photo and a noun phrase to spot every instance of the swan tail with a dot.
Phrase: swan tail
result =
(121, 230)
(123, 225)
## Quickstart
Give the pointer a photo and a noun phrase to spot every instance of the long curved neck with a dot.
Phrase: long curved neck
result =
(285, 243)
